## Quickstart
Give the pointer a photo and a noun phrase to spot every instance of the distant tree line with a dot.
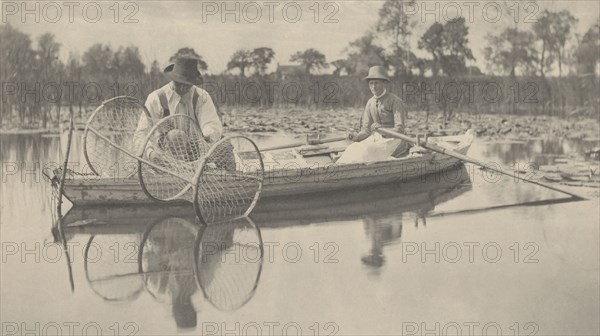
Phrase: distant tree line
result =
(37, 85)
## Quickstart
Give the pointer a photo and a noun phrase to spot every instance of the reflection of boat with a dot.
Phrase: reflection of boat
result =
(171, 258)
(176, 259)
(287, 172)
(304, 209)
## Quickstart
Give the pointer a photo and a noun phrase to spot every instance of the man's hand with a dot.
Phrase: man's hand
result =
(158, 157)
(212, 137)
(375, 126)
(352, 136)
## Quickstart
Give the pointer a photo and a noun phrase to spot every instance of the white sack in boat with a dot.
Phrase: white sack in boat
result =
(373, 148)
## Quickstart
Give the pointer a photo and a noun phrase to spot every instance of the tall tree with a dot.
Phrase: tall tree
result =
(455, 43)
(402, 61)
(310, 59)
(562, 26)
(553, 29)
(542, 29)
(155, 74)
(394, 22)
(49, 68)
(128, 63)
(98, 63)
(511, 50)
(189, 52)
(364, 53)
(16, 60)
(242, 60)
(447, 45)
(432, 41)
(587, 55)
(261, 58)
(73, 74)
(339, 65)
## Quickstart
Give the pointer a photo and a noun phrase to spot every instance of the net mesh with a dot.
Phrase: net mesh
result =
(223, 181)
(167, 260)
(175, 145)
(111, 266)
(229, 260)
(230, 180)
(112, 128)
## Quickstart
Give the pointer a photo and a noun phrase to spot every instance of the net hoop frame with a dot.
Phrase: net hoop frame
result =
(143, 241)
(131, 296)
(197, 270)
(203, 164)
(143, 150)
(87, 125)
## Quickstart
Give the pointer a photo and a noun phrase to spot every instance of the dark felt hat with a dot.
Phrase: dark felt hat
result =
(184, 70)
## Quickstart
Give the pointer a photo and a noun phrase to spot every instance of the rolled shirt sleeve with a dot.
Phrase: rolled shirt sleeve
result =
(144, 125)
(206, 113)
(399, 115)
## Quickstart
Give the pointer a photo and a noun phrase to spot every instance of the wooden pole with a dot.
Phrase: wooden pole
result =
(465, 158)
(298, 144)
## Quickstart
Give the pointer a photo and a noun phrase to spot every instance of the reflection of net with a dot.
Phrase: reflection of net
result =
(113, 124)
(228, 263)
(167, 260)
(175, 144)
(229, 181)
(111, 266)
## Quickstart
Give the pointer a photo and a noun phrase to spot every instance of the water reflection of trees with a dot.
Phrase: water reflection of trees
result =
(535, 151)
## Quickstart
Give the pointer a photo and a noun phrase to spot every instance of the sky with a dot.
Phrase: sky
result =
(216, 29)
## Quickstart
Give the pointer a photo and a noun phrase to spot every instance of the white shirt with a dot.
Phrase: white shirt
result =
(205, 113)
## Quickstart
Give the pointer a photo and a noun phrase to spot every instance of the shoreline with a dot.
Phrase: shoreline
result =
(489, 127)
(29, 131)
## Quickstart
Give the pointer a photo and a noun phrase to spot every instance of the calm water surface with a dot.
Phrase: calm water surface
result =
(388, 260)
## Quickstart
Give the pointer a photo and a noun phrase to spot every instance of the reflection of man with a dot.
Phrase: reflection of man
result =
(169, 261)
(384, 109)
(383, 231)
(180, 96)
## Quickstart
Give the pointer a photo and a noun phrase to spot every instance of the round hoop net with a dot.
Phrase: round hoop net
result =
(229, 181)
(175, 146)
(111, 266)
(229, 259)
(111, 130)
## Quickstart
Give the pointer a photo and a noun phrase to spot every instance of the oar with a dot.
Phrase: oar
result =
(307, 142)
(465, 158)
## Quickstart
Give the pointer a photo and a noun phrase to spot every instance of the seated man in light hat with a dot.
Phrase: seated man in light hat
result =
(384, 109)
(181, 96)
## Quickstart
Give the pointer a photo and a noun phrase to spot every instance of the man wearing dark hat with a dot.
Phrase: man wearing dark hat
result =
(182, 96)
(384, 109)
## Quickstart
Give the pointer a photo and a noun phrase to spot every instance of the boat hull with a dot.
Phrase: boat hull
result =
(415, 195)
(288, 180)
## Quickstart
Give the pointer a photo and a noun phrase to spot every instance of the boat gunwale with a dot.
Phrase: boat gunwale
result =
(428, 156)
(278, 182)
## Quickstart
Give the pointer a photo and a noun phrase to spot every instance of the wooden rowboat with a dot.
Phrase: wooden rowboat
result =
(336, 205)
(306, 170)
